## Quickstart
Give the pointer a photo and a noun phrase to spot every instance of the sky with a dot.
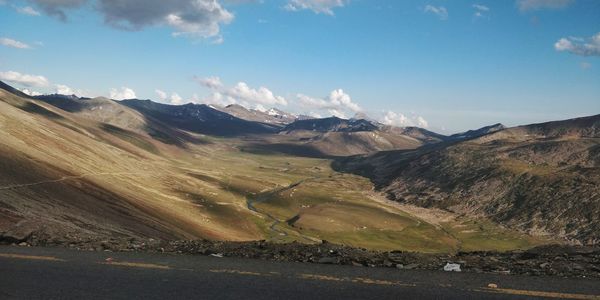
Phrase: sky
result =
(445, 65)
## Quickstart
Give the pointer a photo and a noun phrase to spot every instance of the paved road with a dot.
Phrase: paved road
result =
(52, 273)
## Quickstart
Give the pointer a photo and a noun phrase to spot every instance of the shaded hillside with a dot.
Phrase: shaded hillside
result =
(115, 114)
(199, 118)
(541, 178)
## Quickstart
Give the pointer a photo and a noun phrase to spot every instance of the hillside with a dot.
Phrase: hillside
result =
(541, 178)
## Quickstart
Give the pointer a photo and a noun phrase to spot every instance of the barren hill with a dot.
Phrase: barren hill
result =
(541, 178)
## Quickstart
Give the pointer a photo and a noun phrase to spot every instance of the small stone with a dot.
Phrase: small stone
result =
(23, 244)
(411, 266)
(400, 266)
(544, 265)
(492, 286)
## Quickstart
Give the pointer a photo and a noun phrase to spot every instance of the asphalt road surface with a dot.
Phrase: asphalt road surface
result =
(56, 273)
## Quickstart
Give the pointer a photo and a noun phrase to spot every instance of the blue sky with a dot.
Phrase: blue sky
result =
(447, 65)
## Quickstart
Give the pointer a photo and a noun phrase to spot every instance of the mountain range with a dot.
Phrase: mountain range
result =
(74, 167)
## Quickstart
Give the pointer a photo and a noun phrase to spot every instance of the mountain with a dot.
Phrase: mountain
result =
(477, 133)
(335, 137)
(543, 179)
(271, 116)
(421, 134)
(199, 118)
(115, 114)
(332, 124)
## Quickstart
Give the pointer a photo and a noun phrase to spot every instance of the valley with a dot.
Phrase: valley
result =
(126, 174)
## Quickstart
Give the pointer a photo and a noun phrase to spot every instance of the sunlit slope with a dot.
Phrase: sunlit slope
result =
(65, 155)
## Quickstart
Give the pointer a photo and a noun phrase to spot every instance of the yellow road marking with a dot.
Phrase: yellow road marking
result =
(362, 280)
(539, 294)
(136, 265)
(230, 271)
(32, 257)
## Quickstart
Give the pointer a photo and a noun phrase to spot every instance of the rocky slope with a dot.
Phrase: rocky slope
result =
(543, 179)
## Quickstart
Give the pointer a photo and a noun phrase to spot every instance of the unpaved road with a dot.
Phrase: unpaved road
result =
(57, 273)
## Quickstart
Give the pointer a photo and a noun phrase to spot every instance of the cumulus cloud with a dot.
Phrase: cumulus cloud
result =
(176, 99)
(161, 94)
(212, 82)
(526, 5)
(30, 92)
(580, 46)
(24, 79)
(64, 90)
(338, 103)
(196, 18)
(440, 11)
(397, 119)
(241, 92)
(193, 18)
(27, 10)
(317, 6)
(13, 43)
(262, 95)
(122, 94)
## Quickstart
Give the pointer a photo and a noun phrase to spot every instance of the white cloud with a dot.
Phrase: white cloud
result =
(30, 92)
(212, 82)
(161, 94)
(176, 99)
(317, 6)
(480, 7)
(122, 94)
(580, 46)
(526, 5)
(440, 11)
(338, 103)
(27, 10)
(241, 92)
(64, 90)
(24, 79)
(13, 43)
(215, 98)
(401, 120)
(480, 10)
(262, 95)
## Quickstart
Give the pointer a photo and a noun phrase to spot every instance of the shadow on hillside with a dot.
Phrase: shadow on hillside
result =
(33, 108)
(288, 149)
